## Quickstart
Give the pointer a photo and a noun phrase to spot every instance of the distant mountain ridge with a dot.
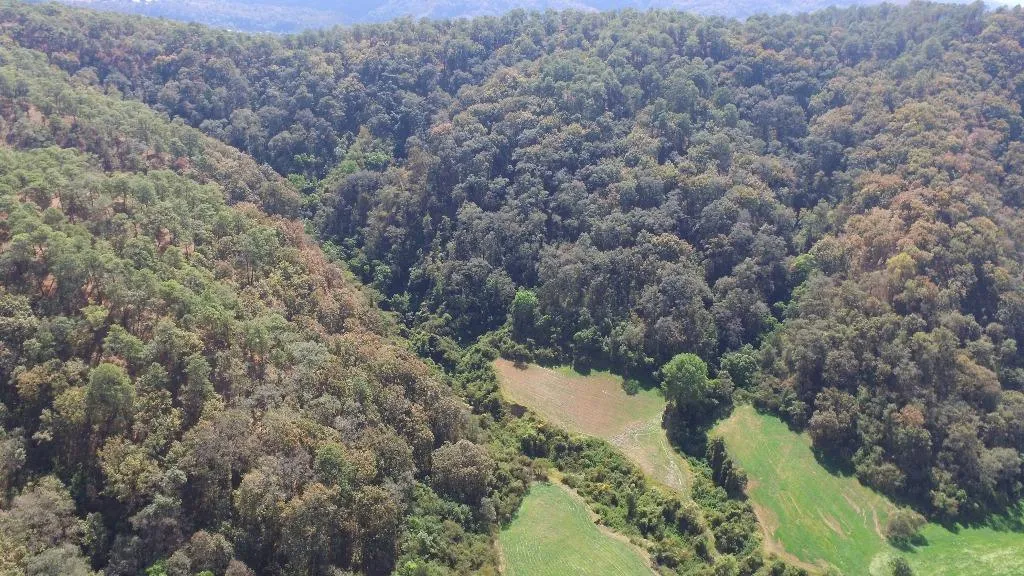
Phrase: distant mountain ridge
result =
(283, 16)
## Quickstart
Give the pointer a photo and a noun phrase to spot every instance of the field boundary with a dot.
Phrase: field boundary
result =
(555, 477)
(815, 519)
(596, 405)
(539, 544)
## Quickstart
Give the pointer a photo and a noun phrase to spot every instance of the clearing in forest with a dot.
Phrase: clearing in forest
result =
(595, 404)
(554, 533)
(815, 518)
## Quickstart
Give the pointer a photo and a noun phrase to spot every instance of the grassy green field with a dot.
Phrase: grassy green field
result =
(980, 551)
(818, 519)
(810, 517)
(595, 404)
(553, 533)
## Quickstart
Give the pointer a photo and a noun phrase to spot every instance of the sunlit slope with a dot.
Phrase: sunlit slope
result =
(818, 519)
(596, 405)
(554, 534)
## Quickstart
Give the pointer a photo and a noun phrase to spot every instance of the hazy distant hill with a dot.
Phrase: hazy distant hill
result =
(293, 15)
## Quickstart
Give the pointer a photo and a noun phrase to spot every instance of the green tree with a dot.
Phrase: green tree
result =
(131, 473)
(311, 527)
(197, 388)
(258, 505)
(524, 312)
(108, 398)
(66, 560)
(332, 469)
(378, 512)
(742, 366)
(684, 380)
(462, 470)
(903, 526)
(899, 566)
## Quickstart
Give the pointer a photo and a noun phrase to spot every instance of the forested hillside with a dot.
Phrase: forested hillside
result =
(190, 385)
(818, 214)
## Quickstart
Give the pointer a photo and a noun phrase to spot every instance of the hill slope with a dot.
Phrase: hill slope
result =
(553, 534)
(190, 384)
(820, 214)
(820, 204)
(824, 519)
(596, 404)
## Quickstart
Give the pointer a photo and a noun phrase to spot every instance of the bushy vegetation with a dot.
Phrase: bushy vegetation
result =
(192, 386)
(711, 532)
(553, 535)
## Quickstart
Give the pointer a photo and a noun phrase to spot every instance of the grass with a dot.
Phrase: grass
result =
(554, 533)
(975, 551)
(817, 519)
(806, 512)
(595, 404)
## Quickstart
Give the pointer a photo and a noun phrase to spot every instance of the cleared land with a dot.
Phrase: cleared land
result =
(596, 405)
(816, 518)
(982, 551)
(554, 533)
(806, 512)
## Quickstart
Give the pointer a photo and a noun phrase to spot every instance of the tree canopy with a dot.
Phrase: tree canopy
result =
(819, 214)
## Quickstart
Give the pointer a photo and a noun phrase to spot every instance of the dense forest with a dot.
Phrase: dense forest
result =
(190, 385)
(818, 214)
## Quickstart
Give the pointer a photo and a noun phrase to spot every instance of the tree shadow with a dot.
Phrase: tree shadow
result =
(1010, 519)
(687, 439)
(687, 430)
(912, 545)
(587, 366)
(583, 368)
(835, 464)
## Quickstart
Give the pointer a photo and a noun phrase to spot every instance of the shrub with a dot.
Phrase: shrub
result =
(903, 527)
